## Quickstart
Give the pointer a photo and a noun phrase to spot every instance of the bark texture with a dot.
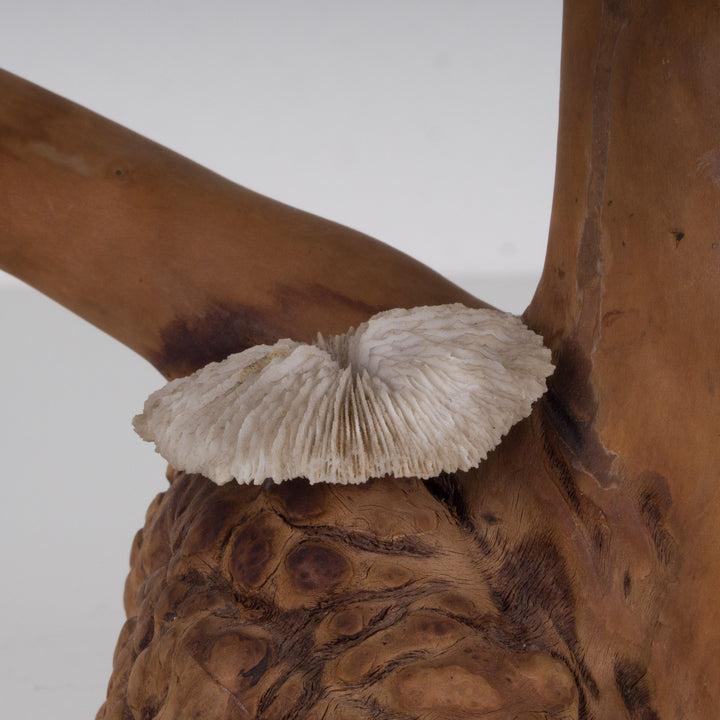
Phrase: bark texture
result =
(300, 601)
(396, 599)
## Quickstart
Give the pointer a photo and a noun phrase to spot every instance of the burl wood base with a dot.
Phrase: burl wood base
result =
(395, 599)
(296, 601)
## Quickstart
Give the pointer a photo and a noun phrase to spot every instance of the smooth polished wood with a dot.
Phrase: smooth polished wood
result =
(629, 301)
(174, 261)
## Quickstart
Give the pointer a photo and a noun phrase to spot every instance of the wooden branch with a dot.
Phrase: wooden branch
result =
(574, 574)
(174, 261)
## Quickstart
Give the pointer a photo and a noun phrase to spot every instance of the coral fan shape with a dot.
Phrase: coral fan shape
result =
(409, 393)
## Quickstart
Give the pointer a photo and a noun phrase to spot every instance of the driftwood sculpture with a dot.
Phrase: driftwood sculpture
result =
(574, 573)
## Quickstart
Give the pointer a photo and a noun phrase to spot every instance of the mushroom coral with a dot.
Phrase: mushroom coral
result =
(411, 393)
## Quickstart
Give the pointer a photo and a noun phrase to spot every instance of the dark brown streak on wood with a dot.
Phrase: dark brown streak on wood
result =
(258, 671)
(561, 463)
(630, 678)
(570, 393)
(627, 584)
(570, 408)
(553, 415)
(385, 669)
(654, 504)
(446, 489)
(191, 343)
(614, 17)
(302, 655)
(531, 587)
(583, 706)
(402, 595)
(408, 547)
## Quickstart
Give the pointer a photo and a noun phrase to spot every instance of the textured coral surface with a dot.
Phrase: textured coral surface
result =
(410, 393)
(296, 601)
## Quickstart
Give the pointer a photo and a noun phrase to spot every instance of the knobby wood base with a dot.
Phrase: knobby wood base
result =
(397, 599)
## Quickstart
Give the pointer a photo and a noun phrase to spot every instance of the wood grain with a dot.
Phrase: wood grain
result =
(178, 263)
(574, 574)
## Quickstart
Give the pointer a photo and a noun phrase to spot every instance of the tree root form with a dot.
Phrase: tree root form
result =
(295, 601)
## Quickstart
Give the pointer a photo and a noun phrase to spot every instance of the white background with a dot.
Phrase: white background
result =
(430, 125)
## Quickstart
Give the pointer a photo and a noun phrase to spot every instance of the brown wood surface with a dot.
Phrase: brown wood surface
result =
(176, 262)
(575, 573)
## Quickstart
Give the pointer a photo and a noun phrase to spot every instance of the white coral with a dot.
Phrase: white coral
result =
(408, 393)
